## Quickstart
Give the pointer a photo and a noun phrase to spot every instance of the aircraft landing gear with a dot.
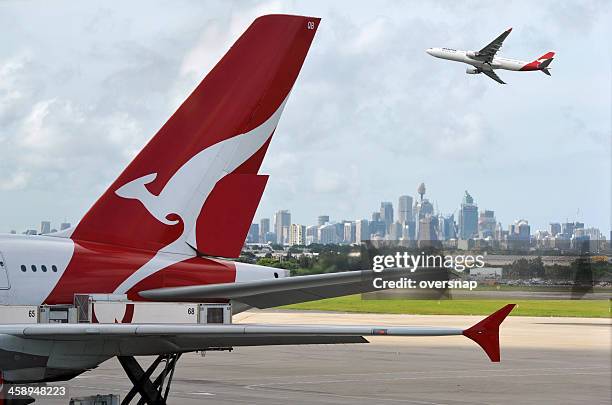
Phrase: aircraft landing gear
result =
(151, 392)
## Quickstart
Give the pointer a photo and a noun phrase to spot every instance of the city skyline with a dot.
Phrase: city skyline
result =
(299, 218)
(422, 223)
(395, 211)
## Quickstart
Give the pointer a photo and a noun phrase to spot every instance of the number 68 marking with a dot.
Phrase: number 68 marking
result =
(310, 25)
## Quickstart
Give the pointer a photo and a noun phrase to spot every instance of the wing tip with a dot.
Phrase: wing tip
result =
(486, 332)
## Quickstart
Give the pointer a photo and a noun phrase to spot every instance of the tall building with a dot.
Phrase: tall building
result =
(468, 218)
(410, 230)
(378, 228)
(486, 224)
(339, 231)
(446, 227)
(396, 231)
(520, 230)
(386, 213)
(349, 232)
(64, 226)
(253, 235)
(45, 227)
(327, 234)
(567, 229)
(404, 209)
(282, 221)
(376, 216)
(554, 228)
(297, 235)
(322, 220)
(362, 230)
(312, 234)
(264, 229)
(428, 230)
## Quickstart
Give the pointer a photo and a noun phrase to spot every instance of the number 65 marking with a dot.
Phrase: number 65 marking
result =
(310, 25)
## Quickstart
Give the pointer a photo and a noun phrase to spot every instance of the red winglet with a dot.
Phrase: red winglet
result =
(486, 332)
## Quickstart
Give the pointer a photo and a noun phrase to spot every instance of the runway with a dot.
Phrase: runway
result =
(544, 361)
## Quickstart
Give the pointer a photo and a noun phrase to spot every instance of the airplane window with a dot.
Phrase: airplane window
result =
(23, 268)
(54, 268)
(34, 268)
(44, 268)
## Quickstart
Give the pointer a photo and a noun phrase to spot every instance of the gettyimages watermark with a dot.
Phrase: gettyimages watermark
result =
(412, 262)
(434, 271)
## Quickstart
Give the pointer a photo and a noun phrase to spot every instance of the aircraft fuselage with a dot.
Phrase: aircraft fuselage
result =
(470, 57)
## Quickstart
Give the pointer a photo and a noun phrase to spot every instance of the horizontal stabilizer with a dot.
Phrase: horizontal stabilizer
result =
(545, 64)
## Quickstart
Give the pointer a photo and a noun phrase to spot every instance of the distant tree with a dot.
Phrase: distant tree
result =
(536, 267)
(520, 268)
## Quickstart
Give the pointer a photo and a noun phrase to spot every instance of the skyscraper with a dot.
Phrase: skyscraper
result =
(404, 209)
(567, 229)
(264, 229)
(297, 235)
(554, 228)
(327, 234)
(253, 235)
(322, 220)
(386, 213)
(428, 230)
(520, 230)
(486, 224)
(64, 226)
(282, 220)
(446, 227)
(396, 231)
(468, 218)
(45, 227)
(312, 234)
(349, 232)
(362, 230)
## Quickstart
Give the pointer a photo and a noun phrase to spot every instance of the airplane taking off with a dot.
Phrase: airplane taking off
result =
(485, 61)
(161, 230)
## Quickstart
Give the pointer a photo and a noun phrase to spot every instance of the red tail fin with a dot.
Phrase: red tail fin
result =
(547, 55)
(486, 332)
(224, 126)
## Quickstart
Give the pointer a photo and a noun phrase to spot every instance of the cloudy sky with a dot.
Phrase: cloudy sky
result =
(83, 86)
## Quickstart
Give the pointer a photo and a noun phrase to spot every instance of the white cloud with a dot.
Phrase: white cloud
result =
(371, 115)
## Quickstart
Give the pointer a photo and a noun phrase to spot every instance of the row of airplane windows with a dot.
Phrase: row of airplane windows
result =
(24, 268)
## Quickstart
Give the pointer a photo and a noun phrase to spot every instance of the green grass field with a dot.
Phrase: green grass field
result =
(354, 303)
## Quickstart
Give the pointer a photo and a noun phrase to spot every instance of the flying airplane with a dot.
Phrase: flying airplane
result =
(166, 227)
(485, 61)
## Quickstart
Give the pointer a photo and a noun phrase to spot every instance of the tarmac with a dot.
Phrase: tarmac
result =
(544, 361)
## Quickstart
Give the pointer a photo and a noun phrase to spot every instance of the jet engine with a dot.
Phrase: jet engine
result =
(472, 71)
(471, 54)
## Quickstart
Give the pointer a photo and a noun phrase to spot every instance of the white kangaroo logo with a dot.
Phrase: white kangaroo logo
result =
(187, 190)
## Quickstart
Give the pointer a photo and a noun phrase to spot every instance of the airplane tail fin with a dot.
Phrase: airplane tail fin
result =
(486, 332)
(195, 185)
(544, 61)
(547, 55)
